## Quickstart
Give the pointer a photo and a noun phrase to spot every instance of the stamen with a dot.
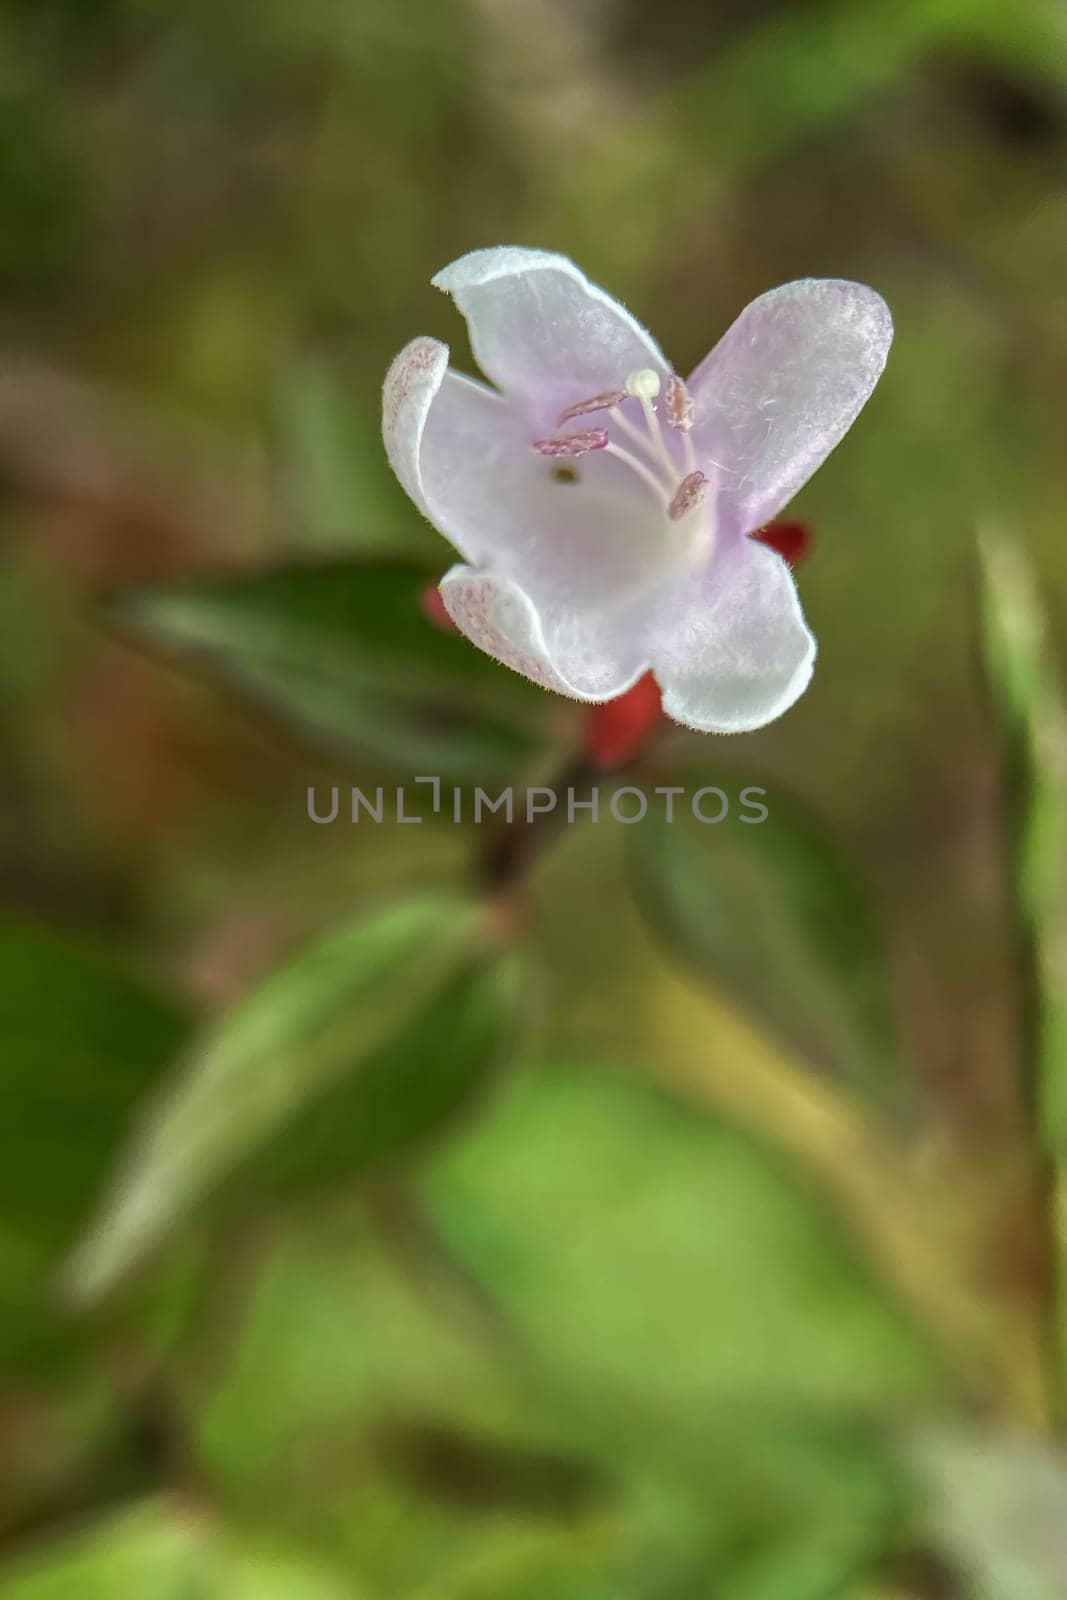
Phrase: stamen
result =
(660, 489)
(678, 405)
(691, 492)
(632, 431)
(643, 384)
(573, 444)
(598, 402)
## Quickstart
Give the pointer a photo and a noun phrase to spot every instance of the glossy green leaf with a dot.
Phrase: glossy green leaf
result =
(343, 656)
(1033, 724)
(83, 1040)
(769, 913)
(287, 1057)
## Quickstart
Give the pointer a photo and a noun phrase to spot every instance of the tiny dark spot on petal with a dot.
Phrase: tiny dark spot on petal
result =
(563, 473)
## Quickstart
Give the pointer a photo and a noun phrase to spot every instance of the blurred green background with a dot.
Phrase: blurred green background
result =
(691, 1226)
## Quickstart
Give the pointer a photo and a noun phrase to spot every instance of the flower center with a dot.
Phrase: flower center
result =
(642, 449)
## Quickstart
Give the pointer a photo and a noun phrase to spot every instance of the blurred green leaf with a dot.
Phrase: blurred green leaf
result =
(83, 1041)
(660, 1255)
(698, 1311)
(343, 655)
(359, 1342)
(1034, 726)
(286, 1057)
(996, 1506)
(342, 493)
(446, 1462)
(169, 1551)
(153, 1549)
(770, 913)
(408, 1088)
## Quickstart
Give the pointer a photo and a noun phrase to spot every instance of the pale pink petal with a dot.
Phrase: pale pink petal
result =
(733, 650)
(466, 457)
(541, 331)
(587, 655)
(420, 380)
(411, 384)
(784, 385)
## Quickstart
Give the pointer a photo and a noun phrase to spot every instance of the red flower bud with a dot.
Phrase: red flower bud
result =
(793, 540)
(619, 730)
(433, 608)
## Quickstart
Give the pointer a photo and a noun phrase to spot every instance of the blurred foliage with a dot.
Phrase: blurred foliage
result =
(367, 1231)
(777, 900)
(83, 1044)
(344, 655)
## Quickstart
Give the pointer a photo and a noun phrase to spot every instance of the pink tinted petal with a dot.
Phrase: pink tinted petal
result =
(586, 657)
(440, 431)
(541, 331)
(733, 650)
(784, 385)
(410, 386)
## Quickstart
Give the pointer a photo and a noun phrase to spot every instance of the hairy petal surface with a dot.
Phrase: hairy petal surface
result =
(732, 650)
(784, 385)
(541, 331)
(587, 655)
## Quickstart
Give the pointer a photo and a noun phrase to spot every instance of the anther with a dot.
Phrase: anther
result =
(679, 405)
(598, 402)
(573, 444)
(691, 492)
(643, 384)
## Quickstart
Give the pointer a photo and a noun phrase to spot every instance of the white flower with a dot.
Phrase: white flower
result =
(601, 505)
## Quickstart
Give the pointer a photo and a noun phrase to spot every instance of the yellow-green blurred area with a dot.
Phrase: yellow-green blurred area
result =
(691, 1229)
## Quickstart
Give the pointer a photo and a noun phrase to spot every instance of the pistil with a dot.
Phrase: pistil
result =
(644, 386)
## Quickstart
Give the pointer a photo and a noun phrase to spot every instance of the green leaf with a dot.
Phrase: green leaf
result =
(290, 1057)
(473, 1471)
(408, 1089)
(368, 1350)
(343, 656)
(699, 1310)
(661, 1255)
(83, 1041)
(770, 914)
(342, 494)
(150, 1550)
(997, 1507)
(1034, 726)
(169, 1551)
